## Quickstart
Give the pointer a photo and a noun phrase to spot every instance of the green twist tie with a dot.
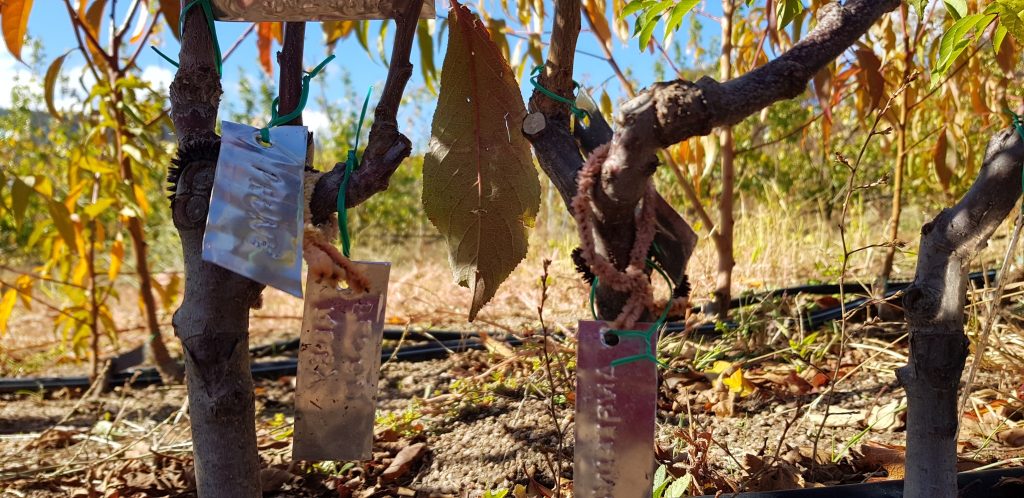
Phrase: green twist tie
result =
(277, 120)
(645, 335)
(581, 115)
(208, 10)
(351, 163)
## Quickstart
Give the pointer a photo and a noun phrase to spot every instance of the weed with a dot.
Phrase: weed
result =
(407, 422)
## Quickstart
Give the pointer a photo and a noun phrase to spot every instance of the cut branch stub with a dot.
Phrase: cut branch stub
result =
(480, 188)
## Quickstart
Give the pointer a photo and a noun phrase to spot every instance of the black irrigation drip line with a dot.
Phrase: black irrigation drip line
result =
(981, 484)
(816, 319)
(389, 335)
(260, 370)
(446, 341)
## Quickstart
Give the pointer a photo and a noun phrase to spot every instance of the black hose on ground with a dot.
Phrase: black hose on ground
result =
(448, 341)
(260, 370)
(996, 483)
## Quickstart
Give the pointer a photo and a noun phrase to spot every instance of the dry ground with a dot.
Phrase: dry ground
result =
(483, 421)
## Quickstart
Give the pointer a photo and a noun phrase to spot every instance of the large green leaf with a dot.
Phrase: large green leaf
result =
(480, 187)
(1011, 17)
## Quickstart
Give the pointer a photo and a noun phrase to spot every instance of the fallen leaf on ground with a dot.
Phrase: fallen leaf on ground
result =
(777, 477)
(272, 479)
(1012, 437)
(403, 461)
(838, 418)
(888, 417)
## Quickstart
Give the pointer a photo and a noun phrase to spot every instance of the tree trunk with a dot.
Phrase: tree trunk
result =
(213, 319)
(724, 232)
(899, 170)
(935, 316)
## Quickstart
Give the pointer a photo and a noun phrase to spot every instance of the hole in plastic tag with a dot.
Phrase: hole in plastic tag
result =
(254, 226)
(615, 416)
(339, 367)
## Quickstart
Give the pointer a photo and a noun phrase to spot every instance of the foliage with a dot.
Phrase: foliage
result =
(72, 186)
(80, 192)
(480, 187)
(665, 486)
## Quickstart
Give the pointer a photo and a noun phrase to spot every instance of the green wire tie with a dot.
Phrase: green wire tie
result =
(208, 10)
(351, 163)
(581, 115)
(277, 120)
(646, 335)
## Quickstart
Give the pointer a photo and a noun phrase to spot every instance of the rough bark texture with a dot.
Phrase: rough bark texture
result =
(667, 113)
(559, 153)
(213, 320)
(935, 316)
(289, 62)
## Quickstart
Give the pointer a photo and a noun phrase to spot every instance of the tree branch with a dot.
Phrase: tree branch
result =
(557, 73)
(558, 152)
(387, 147)
(289, 61)
(667, 113)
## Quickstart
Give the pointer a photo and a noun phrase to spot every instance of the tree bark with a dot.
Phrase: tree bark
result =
(934, 306)
(213, 319)
(289, 62)
(386, 147)
(725, 229)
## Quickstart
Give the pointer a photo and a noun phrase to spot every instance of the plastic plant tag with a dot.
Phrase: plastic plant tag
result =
(255, 223)
(615, 416)
(309, 10)
(338, 368)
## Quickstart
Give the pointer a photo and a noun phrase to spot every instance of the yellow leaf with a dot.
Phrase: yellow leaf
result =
(337, 30)
(719, 367)
(140, 199)
(140, 25)
(14, 19)
(116, 258)
(24, 285)
(50, 81)
(595, 12)
(739, 384)
(6, 307)
(80, 272)
(264, 40)
(93, 20)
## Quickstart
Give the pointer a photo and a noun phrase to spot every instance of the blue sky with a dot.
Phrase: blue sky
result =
(49, 23)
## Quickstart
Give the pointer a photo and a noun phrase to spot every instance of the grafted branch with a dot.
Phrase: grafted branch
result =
(387, 147)
(935, 315)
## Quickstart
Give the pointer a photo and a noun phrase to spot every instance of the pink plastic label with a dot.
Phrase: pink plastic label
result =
(615, 416)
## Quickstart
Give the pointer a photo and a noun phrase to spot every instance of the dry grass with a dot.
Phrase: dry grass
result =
(774, 248)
